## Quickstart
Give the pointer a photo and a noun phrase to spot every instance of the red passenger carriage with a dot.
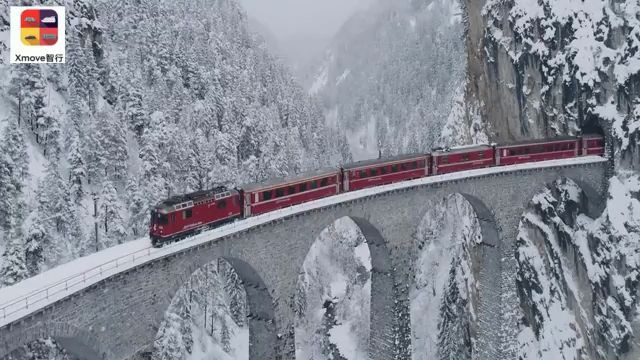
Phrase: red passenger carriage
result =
(280, 193)
(537, 150)
(181, 215)
(592, 144)
(368, 173)
(462, 158)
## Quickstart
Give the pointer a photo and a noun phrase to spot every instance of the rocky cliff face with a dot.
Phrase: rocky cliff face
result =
(560, 67)
(547, 68)
(578, 276)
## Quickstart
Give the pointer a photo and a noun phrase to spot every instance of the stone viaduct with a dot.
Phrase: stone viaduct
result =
(119, 317)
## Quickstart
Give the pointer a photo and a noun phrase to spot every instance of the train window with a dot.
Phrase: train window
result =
(222, 204)
(186, 214)
(314, 184)
(303, 187)
(324, 182)
(363, 174)
(465, 157)
(445, 160)
(383, 170)
(173, 218)
(480, 155)
(394, 168)
(291, 190)
(266, 195)
(280, 192)
(161, 219)
(373, 172)
(526, 150)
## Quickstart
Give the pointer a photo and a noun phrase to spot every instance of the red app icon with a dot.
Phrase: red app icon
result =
(39, 27)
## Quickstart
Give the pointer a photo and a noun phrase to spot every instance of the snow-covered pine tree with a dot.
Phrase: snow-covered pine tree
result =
(14, 267)
(59, 215)
(27, 86)
(135, 112)
(111, 146)
(454, 338)
(138, 209)
(35, 239)
(77, 169)
(200, 162)
(110, 210)
(13, 173)
(49, 130)
(225, 338)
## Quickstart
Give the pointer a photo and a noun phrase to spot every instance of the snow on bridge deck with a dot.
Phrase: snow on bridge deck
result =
(35, 293)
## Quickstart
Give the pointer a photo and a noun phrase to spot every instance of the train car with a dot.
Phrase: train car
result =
(592, 144)
(276, 194)
(180, 216)
(462, 158)
(538, 150)
(369, 173)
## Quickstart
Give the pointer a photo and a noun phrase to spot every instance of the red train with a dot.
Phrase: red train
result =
(183, 215)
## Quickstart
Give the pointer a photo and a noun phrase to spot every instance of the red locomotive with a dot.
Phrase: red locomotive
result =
(181, 216)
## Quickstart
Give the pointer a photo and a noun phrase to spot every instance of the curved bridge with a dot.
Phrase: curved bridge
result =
(113, 311)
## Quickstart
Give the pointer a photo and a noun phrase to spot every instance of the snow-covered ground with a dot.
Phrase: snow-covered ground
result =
(447, 233)
(336, 287)
(206, 318)
(46, 288)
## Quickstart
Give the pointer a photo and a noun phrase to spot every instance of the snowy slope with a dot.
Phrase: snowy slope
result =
(335, 283)
(447, 235)
(389, 76)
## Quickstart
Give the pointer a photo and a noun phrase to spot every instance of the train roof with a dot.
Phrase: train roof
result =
(539, 141)
(309, 175)
(187, 200)
(461, 149)
(365, 163)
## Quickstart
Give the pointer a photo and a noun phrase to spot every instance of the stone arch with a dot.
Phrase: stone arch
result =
(81, 344)
(382, 318)
(262, 324)
(263, 339)
(484, 263)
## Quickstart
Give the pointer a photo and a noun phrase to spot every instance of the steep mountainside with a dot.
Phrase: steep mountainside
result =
(390, 75)
(546, 68)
